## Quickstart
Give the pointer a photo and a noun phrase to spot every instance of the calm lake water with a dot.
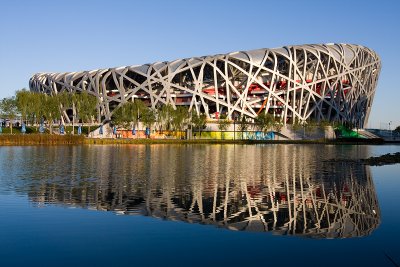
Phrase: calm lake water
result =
(198, 205)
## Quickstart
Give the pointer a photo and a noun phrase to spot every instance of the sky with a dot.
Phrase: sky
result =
(63, 36)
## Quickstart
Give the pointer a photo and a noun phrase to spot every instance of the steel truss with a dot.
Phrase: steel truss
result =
(333, 82)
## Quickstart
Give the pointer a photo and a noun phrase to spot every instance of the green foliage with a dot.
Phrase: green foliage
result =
(164, 117)
(296, 126)
(37, 106)
(243, 124)
(148, 117)
(86, 106)
(179, 117)
(310, 126)
(130, 113)
(199, 121)
(323, 124)
(122, 116)
(66, 99)
(119, 116)
(51, 110)
(8, 109)
(264, 121)
(23, 100)
(223, 125)
(397, 130)
(278, 126)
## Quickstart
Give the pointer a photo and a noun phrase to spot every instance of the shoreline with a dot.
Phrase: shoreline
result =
(45, 139)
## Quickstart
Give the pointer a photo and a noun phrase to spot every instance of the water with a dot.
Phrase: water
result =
(195, 205)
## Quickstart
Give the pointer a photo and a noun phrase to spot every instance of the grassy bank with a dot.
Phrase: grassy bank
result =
(109, 141)
(40, 139)
(47, 139)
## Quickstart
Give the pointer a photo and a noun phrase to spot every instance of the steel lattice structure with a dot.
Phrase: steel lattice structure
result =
(333, 82)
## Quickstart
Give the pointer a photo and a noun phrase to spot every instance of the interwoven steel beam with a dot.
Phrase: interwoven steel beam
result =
(332, 82)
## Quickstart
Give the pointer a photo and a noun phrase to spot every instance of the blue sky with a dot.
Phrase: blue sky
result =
(59, 36)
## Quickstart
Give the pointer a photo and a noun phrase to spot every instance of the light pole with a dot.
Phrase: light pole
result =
(390, 129)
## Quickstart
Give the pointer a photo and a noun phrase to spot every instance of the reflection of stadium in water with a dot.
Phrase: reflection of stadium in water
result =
(239, 188)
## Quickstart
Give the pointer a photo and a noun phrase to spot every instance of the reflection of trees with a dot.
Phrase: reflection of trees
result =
(282, 189)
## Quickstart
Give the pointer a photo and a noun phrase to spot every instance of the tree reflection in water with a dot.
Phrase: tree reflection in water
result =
(283, 189)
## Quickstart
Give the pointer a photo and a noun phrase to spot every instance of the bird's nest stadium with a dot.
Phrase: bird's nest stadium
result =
(330, 82)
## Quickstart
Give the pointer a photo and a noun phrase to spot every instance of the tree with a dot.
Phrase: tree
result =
(223, 124)
(296, 126)
(310, 126)
(71, 101)
(164, 116)
(86, 107)
(51, 110)
(278, 125)
(199, 122)
(323, 124)
(243, 125)
(129, 114)
(264, 121)
(23, 101)
(122, 116)
(148, 117)
(39, 100)
(66, 100)
(178, 118)
(8, 108)
(397, 130)
(136, 108)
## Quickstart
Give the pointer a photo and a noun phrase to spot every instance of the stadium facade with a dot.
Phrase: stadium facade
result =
(330, 82)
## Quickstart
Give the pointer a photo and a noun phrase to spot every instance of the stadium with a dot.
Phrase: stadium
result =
(295, 84)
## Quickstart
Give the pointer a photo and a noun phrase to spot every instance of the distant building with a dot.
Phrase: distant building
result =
(332, 82)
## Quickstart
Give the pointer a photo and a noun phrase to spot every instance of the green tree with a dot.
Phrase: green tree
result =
(223, 125)
(136, 108)
(66, 100)
(278, 125)
(8, 108)
(179, 117)
(38, 110)
(243, 124)
(122, 116)
(148, 117)
(129, 114)
(51, 110)
(23, 101)
(164, 116)
(199, 122)
(35, 106)
(75, 98)
(310, 126)
(296, 126)
(397, 130)
(86, 107)
(264, 121)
